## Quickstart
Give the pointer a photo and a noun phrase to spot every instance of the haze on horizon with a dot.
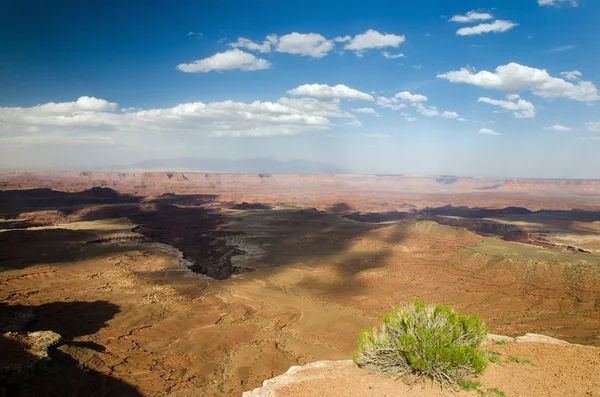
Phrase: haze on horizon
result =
(429, 87)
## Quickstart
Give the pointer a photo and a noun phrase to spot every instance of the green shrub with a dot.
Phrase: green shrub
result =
(422, 340)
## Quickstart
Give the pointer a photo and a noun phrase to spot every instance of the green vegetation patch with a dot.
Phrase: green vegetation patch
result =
(518, 360)
(423, 340)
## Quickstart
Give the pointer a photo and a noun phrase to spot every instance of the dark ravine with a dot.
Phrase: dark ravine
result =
(195, 232)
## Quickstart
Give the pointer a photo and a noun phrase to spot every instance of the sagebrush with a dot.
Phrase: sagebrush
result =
(423, 340)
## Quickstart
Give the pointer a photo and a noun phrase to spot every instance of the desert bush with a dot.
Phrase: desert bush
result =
(423, 340)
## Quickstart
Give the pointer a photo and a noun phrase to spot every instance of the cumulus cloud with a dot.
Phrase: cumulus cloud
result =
(390, 103)
(84, 103)
(572, 75)
(306, 44)
(428, 111)
(556, 3)
(354, 123)
(593, 126)
(228, 60)
(324, 91)
(558, 127)
(432, 111)
(343, 39)
(365, 111)
(91, 120)
(450, 115)
(472, 16)
(487, 131)
(373, 39)
(392, 56)
(515, 77)
(315, 106)
(251, 45)
(513, 97)
(409, 98)
(522, 108)
(494, 27)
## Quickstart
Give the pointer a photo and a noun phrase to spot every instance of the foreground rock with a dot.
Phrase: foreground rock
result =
(530, 365)
(23, 354)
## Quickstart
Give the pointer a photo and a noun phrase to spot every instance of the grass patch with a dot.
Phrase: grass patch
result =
(469, 385)
(501, 342)
(422, 340)
(497, 392)
(493, 356)
(515, 359)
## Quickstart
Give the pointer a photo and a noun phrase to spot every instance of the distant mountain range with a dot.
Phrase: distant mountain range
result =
(261, 165)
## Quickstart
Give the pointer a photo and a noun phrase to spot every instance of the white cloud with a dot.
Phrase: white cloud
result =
(556, 3)
(593, 126)
(560, 48)
(409, 98)
(487, 131)
(228, 60)
(315, 106)
(91, 120)
(251, 45)
(365, 111)
(558, 127)
(84, 103)
(392, 56)
(428, 111)
(305, 44)
(450, 115)
(494, 27)
(272, 38)
(324, 91)
(522, 108)
(410, 119)
(341, 39)
(432, 111)
(373, 39)
(472, 16)
(417, 66)
(354, 123)
(513, 97)
(572, 75)
(391, 103)
(514, 77)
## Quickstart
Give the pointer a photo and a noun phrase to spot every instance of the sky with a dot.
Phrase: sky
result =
(474, 88)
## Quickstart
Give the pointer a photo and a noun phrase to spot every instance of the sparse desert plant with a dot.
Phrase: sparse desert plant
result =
(496, 391)
(492, 355)
(515, 359)
(423, 340)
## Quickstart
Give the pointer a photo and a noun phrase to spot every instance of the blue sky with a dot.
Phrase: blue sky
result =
(503, 88)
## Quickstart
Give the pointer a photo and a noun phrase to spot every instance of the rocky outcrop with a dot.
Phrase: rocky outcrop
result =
(23, 354)
(322, 377)
(299, 374)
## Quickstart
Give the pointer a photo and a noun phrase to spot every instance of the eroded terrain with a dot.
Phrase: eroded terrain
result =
(165, 290)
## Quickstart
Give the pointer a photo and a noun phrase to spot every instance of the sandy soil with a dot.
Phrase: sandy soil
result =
(574, 374)
(136, 323)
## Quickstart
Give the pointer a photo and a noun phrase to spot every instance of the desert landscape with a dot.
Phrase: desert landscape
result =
(190, 284)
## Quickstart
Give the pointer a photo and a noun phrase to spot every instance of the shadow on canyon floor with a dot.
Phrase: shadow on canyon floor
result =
(24, 374)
